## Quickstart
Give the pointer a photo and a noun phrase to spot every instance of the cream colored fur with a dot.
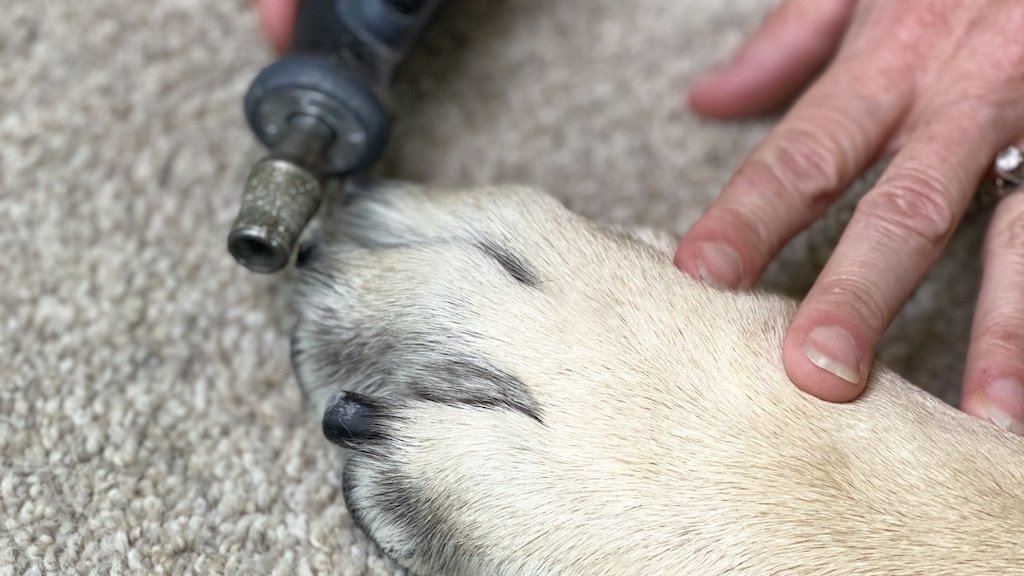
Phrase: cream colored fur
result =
(668, 438)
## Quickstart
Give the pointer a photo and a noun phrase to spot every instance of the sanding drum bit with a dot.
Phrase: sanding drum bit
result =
(320, 111)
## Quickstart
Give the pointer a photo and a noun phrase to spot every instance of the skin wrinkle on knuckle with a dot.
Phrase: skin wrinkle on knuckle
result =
(810, 162)
(749, 226)
(800, 176)
(854, 294)
(910, 207)
(1000, 337)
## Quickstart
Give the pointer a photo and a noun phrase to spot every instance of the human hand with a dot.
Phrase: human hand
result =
(939, 82)
(277, 18)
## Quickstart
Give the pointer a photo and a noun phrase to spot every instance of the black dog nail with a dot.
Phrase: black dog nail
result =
(350, 419)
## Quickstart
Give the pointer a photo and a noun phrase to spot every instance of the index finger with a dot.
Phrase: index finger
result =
(829, 137)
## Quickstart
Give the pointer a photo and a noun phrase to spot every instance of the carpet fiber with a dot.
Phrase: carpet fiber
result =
(149, 421)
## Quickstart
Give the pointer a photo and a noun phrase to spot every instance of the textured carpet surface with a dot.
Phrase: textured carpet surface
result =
(149, 422)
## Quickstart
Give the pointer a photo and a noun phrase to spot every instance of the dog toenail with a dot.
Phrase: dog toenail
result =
(349, 419)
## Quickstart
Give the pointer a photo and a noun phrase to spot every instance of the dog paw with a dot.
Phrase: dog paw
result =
(424, 480)
(525, 392)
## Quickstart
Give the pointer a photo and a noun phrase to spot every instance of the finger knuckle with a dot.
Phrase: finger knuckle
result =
(912, 206)
(1000, 334)
(810, 160)
(858, 295)
(745, 221)
(1009, 59)
(748, 230)
(910, 33)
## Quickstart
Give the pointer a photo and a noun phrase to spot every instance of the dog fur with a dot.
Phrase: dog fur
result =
(524, 392)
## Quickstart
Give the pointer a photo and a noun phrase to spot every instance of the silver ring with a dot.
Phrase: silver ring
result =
(1009, 168)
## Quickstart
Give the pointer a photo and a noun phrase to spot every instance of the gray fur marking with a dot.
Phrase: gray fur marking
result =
(516, 267)
(334, 349)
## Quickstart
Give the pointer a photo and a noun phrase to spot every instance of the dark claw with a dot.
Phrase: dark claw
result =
(350, 419)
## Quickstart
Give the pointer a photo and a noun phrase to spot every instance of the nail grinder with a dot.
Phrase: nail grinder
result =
(320, 111)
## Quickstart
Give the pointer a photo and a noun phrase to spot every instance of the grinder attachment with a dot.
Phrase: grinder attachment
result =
(319, 109)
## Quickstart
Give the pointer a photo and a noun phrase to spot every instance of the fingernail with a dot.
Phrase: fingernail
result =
(831, 348)
(1003, 402)
(719, 265)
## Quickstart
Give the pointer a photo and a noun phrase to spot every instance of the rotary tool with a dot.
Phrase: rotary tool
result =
(320, 110)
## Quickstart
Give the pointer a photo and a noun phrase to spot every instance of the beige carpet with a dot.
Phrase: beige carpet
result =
(149, 422)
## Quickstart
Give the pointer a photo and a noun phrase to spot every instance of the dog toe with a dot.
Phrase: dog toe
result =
(352, 419)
